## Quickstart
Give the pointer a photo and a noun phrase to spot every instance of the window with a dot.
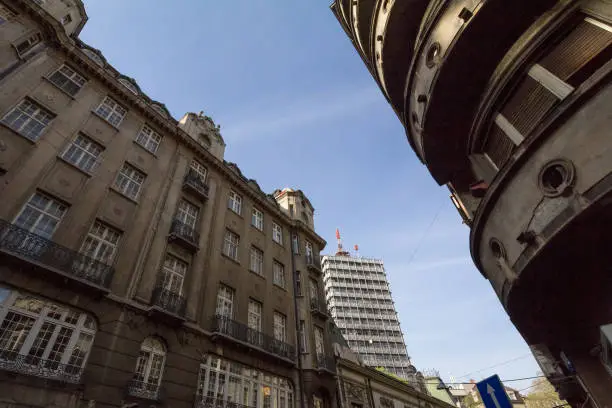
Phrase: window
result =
(234, 202)
(280, 327)
(26, 45)
(187, 214)
(255, 308)
(291, 210)
(279, 274)
(199, 169)
(67, 80)
(303, 337)
(28, 119)
(225, 302)
(257, 219)
(309, 252)
(314, 291)
(111, 111)
(83, 153)
(149, 139)
(5, 14)
(317, 402)
(298, 283)
(67, 19)
(230, 245)
(233, 383)
(319, 342)
(256, 264)
(295, 244)
(174, 274)
(43, 338)
(129, 181)
(277, 233)
(149, 368)
(101, 243)
(41, 215)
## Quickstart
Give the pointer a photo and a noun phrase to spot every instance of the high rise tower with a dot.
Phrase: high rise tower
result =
(359, 299)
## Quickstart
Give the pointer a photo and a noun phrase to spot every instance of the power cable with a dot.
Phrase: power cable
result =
(496, 365)
(425, 234)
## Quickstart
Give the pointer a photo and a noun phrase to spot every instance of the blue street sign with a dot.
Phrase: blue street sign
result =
(493, 393)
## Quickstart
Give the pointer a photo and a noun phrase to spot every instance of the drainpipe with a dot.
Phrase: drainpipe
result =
(297, 323)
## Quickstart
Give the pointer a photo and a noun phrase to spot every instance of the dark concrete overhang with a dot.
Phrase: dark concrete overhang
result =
(365, 10)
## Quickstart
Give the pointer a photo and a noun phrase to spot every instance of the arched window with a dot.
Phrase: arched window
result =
(43, 338)
(204, 140)
(149, 369)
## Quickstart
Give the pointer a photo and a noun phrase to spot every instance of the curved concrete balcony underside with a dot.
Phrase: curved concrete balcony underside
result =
(460, 77)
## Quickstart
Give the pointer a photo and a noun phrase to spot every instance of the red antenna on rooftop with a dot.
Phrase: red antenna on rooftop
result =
(340, 251)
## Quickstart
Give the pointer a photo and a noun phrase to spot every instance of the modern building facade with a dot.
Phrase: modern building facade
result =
(360, 302)
(507, 104)
(138, 268)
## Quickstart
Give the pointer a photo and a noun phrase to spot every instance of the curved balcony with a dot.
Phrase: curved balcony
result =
(243, 334)
(144, 390)
(326, 363)
(168, 305)
(184, 235)
(194, 184)
(30, 365)
(64, 262)
(319, 308)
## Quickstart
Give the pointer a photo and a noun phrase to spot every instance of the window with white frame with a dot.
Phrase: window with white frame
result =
(149, 367)
(279, 274)
(148, 138)
(230, 245)
(43, 338)
(101, 243)
(83, 153)
(29, 119)
(129, 181)
(255, 310)
(277, 233)
(298, 283)
(225, 302)
(199, 169)
(111, 111)
(309, 252)
(256, 262)
(174, 274)
(234, 202)
(314, 290)
(295, 244)
(41, 215)
(303, 337)
(187, 213)
(6, 14)
(25, 45)
(319, 340)
(68, 80)
(224, 380)
(257, 219)
(280, 327)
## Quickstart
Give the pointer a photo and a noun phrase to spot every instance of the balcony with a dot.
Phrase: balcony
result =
(243, 334)
(319, 308)
(184, 235)
(65, 262)
(210, 402)
(144, 390)
(194, 184)
(167, 305)
(38, 367)
(326, 363)
(313, 262)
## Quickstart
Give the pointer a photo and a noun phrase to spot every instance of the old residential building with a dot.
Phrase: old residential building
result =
(137, 267)
(508, 104)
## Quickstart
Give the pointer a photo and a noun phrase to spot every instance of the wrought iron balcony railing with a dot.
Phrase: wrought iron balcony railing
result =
(319, 307)
(145, 390)
(20, 242)
(313, 261)
(231, 328)
(31, 365)
(185, 234)
(169, 301)
(210, 402)
(325, 362)
(193, 181)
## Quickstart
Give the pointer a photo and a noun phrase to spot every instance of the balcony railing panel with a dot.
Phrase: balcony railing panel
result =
(210, 402)
(242, 332)
(169, 301)
(194, 182)
(31, 365)
(145, 390)
(325, 362)
(185, 233)
(313, 261)
(18, 241)
(318, 306)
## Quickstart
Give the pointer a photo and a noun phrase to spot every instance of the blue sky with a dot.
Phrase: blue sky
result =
(297, 108)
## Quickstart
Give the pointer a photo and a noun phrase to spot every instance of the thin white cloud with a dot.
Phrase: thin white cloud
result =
(439, 263)
(269, 121)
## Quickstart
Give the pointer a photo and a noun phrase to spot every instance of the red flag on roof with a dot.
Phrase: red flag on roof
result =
(337, 233)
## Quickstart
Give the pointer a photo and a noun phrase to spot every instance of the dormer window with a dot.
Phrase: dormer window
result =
(204, 140)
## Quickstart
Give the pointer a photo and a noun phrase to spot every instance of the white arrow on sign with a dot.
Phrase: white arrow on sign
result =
(491, 392)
